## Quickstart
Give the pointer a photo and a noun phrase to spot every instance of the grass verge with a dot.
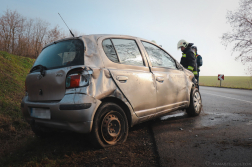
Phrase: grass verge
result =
(13, 71)
(240, 82)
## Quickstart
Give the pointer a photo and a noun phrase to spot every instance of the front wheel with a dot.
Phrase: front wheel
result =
(110, 126)
(195, 106)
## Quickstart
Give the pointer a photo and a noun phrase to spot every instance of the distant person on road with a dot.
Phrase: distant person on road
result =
(199, 61)
(188, 59)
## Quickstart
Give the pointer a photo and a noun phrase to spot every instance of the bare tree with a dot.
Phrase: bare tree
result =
(28, 33)
(40, 31)
(26, 37)
(52, 35)
(20, 42)
(10, 29)
(241, 35)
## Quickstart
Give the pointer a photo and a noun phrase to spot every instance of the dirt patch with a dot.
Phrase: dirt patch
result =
(71, 149)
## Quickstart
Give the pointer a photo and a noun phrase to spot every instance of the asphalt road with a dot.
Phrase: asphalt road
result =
(220, 136)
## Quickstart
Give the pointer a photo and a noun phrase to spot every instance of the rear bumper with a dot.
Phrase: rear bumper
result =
(80, 127)
(75, 112)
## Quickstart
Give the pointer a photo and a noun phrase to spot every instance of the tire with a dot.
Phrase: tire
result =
(110, 126)
(195, 106)
(41, 131)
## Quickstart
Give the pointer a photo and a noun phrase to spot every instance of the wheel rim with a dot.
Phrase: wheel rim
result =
(197, 102)
(111, 128)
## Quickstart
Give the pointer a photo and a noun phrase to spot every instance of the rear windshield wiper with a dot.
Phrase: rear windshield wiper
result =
(42, 69)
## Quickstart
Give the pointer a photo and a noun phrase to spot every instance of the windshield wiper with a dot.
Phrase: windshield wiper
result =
(42, 69)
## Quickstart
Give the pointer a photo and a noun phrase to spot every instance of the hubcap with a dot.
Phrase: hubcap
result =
(197, 102)
(110, 128)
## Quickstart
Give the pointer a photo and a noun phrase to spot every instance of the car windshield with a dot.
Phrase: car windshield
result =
(62, 54)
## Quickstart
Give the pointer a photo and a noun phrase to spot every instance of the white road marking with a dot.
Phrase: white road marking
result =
(229, 98)
(171, 116)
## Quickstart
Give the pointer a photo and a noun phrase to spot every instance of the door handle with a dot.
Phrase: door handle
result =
(122, 78)
(160, 79)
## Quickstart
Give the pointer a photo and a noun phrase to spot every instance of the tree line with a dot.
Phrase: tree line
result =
(26, 36)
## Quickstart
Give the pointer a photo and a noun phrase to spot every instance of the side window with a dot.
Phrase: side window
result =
(123, 51)
(158, 57)
(110, 50)
(128, 52)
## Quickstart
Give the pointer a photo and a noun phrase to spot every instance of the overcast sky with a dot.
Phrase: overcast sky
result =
(201, 22)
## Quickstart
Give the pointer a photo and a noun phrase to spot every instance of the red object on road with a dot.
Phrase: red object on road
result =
(220, 76)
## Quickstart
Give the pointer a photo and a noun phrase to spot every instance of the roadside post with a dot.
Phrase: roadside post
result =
(221, 78)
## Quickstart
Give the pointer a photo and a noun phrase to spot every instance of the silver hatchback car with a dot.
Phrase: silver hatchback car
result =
(104, 84)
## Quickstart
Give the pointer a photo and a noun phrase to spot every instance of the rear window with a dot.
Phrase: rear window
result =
(62, 54)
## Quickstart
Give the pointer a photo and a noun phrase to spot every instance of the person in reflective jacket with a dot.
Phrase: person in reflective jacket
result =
(198, 60)
(188, 59)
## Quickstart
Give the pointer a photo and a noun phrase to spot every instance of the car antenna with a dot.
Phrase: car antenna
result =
(66, 25)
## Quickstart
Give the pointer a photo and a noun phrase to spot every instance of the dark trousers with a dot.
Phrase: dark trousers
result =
(197, 77)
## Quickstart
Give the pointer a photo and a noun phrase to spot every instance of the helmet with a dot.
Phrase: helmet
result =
(181, 43)
(195, 47)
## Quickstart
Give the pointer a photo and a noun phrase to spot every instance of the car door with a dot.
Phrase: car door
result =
(131, 74)
(171, 82)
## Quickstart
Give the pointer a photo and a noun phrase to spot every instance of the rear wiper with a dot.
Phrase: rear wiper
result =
(42, 69)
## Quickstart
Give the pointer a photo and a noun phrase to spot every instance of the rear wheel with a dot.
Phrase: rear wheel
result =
(110, 126)
(195, 106)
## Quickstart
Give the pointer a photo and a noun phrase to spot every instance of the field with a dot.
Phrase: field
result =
(241, 82)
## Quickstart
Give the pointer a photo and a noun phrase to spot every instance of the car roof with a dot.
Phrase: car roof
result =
(97, 36)
(94, 36)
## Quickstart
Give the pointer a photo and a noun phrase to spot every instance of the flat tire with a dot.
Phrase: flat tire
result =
(110, 126)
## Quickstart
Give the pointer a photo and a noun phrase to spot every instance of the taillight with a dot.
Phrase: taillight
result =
(78, 78)
(73, 81)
